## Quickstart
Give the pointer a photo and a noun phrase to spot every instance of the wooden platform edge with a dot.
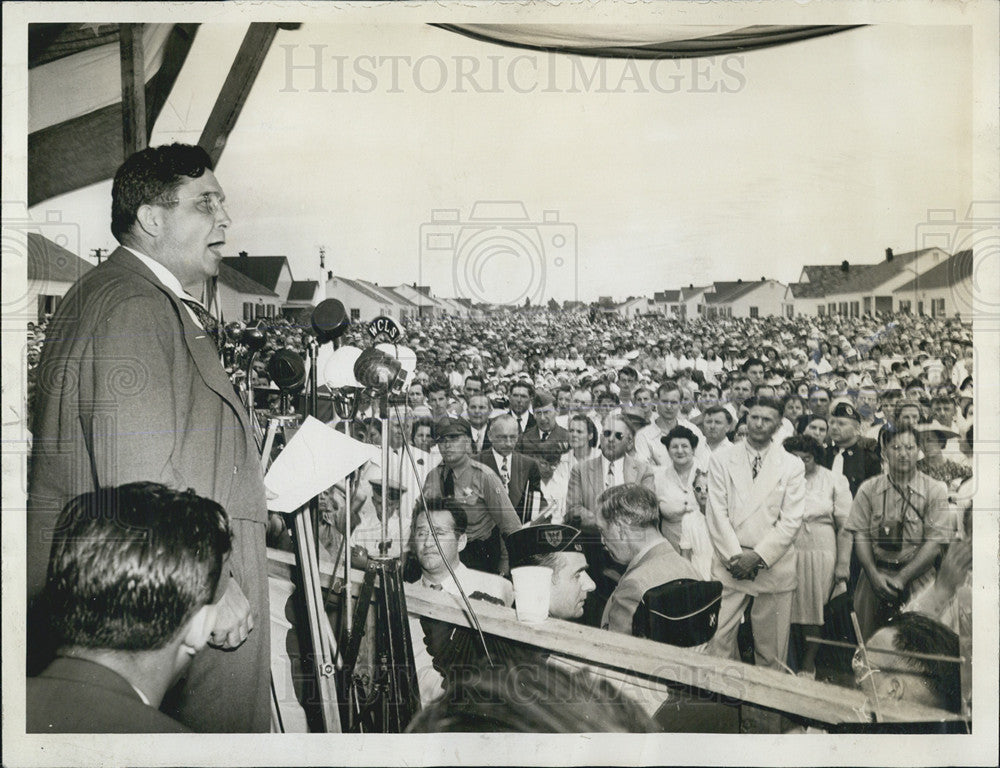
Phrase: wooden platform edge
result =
(636, 657)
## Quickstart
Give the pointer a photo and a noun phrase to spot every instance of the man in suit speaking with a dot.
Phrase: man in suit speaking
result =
(756, 495)
(131, 388)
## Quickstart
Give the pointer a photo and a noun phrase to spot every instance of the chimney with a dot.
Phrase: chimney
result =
(888, 254)
(845, 265)
(329, 274)
(243, 254)
(762, 278)
(739, 281)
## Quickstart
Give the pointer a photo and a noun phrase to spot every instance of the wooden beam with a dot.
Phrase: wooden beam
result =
(645, 660)
(133, 67)
(232, 97)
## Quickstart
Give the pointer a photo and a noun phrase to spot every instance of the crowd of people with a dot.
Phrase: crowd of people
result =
(750, 470)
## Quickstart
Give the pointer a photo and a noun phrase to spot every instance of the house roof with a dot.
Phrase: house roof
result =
(358, 286)
(387, 293)
(302, 290)
(240, 283)
(666, 296)
(50, 261)
(424, 299)
(263, 269)
(729, 291)
(944, 275)
(693, 290)
(831, 279)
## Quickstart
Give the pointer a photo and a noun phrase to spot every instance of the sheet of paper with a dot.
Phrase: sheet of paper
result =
(314, 459)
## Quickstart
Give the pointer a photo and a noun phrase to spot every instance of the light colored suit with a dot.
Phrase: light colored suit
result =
(654, 567)
(763, 515)
(586, 484)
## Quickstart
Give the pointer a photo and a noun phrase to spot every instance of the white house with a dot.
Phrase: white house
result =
(763, 298)
(667, 303)
(242, 298)
(365, 301)
(940, 291)
(863, 289)
(635, 306)
(51, 271)
(420, 295)
(691, 301)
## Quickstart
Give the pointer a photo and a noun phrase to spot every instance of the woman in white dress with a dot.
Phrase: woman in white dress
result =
(822, 545)
(675, 483)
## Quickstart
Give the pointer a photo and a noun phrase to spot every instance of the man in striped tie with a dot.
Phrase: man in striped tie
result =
(136, 392)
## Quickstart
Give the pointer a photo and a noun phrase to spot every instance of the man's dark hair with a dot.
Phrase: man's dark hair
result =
(890, 432)
(628, 370)
(459, 517)
(474, 377)
(768, 402)
(526, 385)
(804, 444)
(152, 176)
(720, 409)
(750, 362)
(423, 421)
(680, 432)
(667, 385)
(531, 697)
(437, 385)
(917, 633)
(130, 565)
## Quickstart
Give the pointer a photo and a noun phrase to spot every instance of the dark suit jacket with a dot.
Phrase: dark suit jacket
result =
(131, 388)
(487, 445)
(549, 450)
(528, 423)
(523, 472)
(861, 461)
(77, 696)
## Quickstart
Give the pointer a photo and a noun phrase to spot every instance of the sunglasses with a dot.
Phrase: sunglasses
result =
(618, 435)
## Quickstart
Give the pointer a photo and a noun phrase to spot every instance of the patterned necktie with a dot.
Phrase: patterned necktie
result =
(757, 461)
(448, 485)
(543, 435)
(208, 322)
(610, 482)
(505, 472)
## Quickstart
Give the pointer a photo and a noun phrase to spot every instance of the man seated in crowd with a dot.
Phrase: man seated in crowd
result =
(556, 547)
(130, 585)
(628, 520)
(442, 569)
(519, 474)
(894, 668)
(479, 492)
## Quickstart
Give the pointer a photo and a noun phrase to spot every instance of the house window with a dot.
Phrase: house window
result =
(905, 306)
(920, 307)
(843, 309)
(355, 314)
(789, 310)
(832, 308)
(821, 310)
(855, 309)
(937, 307)
(47, 305)
(754, 312)
(867, 300)
(247, 311)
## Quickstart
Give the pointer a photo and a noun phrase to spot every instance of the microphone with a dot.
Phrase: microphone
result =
(253, 338)
(379, 371)
(329, 320)
(287, 370)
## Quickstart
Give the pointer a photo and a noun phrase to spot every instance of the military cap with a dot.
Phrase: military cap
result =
(846, 411)
(395, 489)
(543, 398)
(540, 540)
(452, 425)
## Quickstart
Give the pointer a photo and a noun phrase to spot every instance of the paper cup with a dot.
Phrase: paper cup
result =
(532, 587)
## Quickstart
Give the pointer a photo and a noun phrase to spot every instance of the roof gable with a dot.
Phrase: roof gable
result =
(302, 290)
(947, 273)
(265, 270)
(50, 261)
(240, 283)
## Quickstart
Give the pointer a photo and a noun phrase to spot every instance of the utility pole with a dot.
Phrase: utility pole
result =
(98, 252)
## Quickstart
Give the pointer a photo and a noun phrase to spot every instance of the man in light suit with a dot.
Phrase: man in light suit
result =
(587, 481)
(131, 388)
(629, 523)
(756, 493)
(519, 474)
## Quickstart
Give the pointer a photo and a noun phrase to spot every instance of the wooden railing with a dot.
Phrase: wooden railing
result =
(648, 665)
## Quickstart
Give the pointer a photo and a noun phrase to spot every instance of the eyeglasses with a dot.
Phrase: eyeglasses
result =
(210, 202)
(618, 435)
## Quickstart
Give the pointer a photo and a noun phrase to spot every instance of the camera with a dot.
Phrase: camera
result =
(499, 255)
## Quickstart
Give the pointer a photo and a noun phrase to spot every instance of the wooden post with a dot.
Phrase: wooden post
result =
(133, 66)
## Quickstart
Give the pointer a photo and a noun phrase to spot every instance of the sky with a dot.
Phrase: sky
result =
(668, 174)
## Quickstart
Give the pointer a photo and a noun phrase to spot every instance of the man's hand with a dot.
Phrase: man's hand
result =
(887, 592)
(745, 565)
(233, 620)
